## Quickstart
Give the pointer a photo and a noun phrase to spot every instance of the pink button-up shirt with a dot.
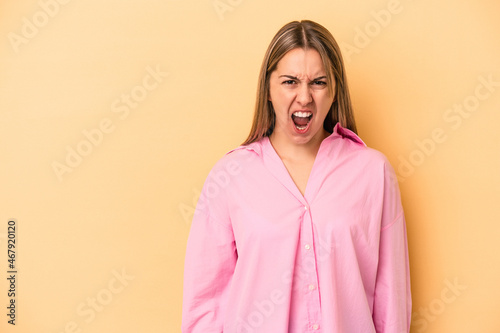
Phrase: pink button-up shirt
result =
(262, 257)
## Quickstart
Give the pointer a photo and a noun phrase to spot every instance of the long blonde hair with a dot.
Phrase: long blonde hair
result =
(304, 34)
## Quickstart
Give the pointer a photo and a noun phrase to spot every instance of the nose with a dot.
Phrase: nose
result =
(304, 95)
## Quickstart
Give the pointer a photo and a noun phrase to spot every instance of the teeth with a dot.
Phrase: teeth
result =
(300, 127)
(302, 114)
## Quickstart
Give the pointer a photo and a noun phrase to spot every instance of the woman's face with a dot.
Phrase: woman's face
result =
(300, 96)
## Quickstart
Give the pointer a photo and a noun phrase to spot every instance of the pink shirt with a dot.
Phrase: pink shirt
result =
(263, 258)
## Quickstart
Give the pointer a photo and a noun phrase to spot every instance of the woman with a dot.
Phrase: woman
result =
(301, 228)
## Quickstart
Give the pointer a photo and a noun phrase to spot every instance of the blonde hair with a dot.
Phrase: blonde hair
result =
(304, 34)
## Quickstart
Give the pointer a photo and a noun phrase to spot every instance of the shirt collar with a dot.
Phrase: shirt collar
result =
(338, 132)
(346, 133)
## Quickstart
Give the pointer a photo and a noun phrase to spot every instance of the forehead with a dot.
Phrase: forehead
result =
(301, 63)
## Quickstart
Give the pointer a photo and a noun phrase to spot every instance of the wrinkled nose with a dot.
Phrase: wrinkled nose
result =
(304, 95)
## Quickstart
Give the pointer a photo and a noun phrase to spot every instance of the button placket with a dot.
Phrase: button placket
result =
(310, 265)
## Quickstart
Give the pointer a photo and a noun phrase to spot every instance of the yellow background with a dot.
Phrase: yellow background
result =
(127, 205)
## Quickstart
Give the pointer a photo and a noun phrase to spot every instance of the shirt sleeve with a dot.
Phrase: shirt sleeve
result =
(209, 265)
(392, 299)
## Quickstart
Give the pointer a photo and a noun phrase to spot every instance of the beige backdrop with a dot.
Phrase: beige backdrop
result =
(113, 112)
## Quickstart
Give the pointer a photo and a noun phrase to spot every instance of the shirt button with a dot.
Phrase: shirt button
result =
(315, 326)
(307, 246)
(311, 287)
(305, 207)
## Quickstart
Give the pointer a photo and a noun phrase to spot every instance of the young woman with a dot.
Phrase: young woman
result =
(301, 228)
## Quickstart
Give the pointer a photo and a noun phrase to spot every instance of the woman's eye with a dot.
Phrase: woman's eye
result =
(320, 83)
(289, 82)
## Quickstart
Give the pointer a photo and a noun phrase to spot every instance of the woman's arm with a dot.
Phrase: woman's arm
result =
(209, 266)
(392, 300)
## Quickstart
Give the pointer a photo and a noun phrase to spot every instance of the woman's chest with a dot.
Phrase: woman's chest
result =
(336, 214)
(299, 172)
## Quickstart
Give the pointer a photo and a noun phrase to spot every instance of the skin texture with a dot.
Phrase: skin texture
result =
(299, 83)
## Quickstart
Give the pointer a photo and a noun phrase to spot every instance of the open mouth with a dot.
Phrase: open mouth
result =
(301, 119)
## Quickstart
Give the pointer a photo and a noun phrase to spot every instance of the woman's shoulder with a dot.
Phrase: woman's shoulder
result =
(243, 153)
(352, 143)
(234, 160)
(355, 150)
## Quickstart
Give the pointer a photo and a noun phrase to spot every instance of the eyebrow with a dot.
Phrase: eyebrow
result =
(296, 78)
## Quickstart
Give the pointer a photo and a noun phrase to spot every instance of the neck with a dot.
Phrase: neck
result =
(292, 151)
